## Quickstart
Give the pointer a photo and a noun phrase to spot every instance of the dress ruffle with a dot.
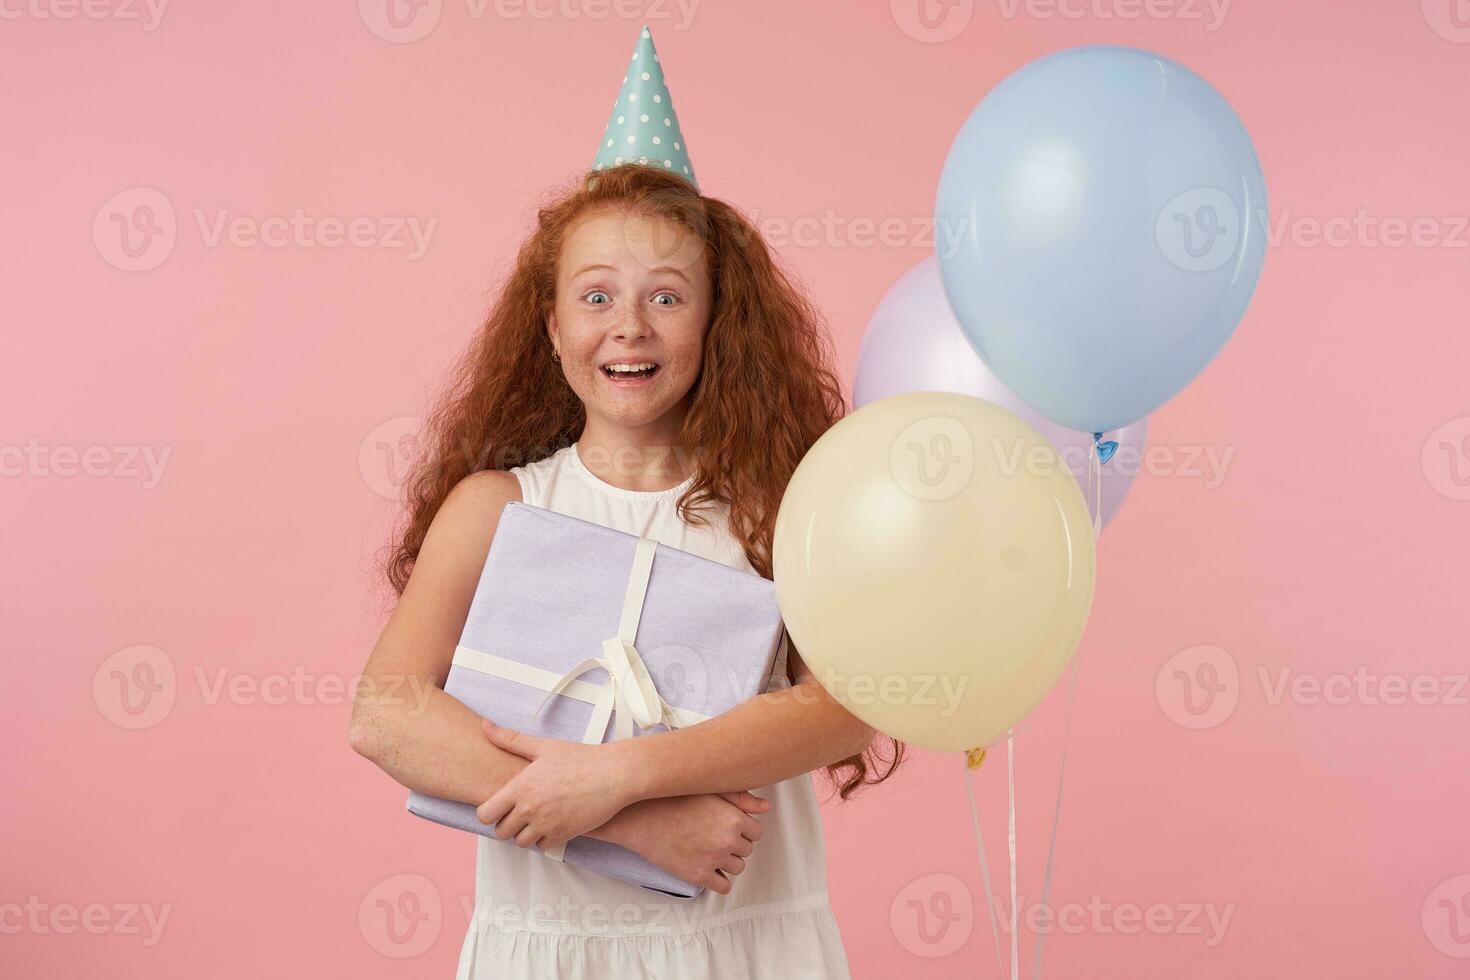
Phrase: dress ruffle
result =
(802, 943)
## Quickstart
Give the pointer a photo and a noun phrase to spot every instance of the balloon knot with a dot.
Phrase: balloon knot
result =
(1105, 450)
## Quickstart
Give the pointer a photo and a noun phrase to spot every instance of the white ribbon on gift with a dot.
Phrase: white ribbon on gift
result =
(628, 694)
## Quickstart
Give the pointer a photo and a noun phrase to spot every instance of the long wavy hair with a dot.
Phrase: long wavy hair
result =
(766, 391)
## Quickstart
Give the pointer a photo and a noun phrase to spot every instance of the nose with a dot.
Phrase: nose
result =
(633, 324)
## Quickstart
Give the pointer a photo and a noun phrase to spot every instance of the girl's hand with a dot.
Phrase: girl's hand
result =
(568, 789)
(703, 839)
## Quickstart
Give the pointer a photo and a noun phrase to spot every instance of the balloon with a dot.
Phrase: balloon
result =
(914, 343)
(934, 564)
(1108, 220)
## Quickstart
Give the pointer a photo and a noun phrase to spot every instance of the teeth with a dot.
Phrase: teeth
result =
(624, 368)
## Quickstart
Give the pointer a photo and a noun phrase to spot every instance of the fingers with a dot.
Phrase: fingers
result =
(744, 848)
(757, 804)
(750, 828)
(749, 805)
(508, 822)
(510, 826)
(748, 802)
(515, 826)
(720, 880)
(495, 808)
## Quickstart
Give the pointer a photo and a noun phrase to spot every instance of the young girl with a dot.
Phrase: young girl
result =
(648, 367)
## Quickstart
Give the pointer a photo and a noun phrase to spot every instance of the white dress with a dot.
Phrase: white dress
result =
(539, 918)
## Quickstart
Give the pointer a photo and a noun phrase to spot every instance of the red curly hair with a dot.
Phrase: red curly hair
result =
(766, 390)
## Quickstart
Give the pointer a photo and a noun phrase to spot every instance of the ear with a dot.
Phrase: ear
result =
(552, 332)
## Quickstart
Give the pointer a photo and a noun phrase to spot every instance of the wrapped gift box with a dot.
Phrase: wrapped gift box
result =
(559, 600)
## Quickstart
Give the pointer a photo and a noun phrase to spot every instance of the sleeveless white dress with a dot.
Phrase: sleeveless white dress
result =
(539, 918)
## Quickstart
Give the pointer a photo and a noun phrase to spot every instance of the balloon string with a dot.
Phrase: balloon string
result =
(1056, 817)
(1095, 473)
(984, 864)
(1094, 476)
(1011, 793)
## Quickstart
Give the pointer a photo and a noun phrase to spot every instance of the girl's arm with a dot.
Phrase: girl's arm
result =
(763, 740)
(768, 738)
(401, 718)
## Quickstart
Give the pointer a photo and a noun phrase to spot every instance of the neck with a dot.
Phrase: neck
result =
(641, 459)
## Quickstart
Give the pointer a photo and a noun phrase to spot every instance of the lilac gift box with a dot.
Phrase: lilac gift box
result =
(560, 600)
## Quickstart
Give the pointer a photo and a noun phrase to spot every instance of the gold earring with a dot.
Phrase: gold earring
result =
(556, 355)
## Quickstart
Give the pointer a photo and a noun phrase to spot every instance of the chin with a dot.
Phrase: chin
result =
(627, 414)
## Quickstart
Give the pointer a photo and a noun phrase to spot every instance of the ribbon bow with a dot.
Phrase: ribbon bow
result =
(628, 694)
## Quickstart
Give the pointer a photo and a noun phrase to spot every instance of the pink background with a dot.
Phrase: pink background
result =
(283, 382)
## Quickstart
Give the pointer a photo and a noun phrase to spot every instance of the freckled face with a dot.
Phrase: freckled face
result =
(626, 298)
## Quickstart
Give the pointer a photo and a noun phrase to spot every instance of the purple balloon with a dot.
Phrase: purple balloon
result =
(914, 343)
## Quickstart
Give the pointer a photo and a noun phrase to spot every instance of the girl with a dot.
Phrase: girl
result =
(649, 324)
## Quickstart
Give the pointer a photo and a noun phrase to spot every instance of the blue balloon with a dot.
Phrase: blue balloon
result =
(1105, 228)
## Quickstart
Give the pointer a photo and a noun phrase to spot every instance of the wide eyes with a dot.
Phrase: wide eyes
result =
(598, 297)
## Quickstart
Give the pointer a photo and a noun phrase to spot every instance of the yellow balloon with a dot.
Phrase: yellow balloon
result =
(934, 563)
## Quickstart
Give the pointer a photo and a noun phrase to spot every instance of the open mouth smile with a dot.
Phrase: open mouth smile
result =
(630, 374)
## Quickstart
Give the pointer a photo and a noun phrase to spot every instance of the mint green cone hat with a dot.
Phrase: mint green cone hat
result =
(643, 127)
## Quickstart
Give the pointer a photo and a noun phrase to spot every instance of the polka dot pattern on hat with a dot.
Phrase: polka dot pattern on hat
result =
(632, 133)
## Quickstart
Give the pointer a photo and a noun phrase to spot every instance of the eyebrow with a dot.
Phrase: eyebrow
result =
(603, 265)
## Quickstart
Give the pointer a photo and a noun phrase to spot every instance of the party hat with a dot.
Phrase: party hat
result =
(643, 127)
